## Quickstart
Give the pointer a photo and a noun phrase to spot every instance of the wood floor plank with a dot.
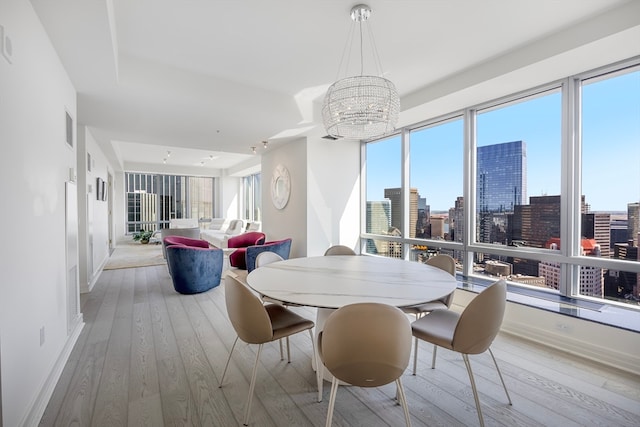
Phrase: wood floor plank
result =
(80, 394)
(178, 407)
(112, 400)
(145, 407)
(150, 356)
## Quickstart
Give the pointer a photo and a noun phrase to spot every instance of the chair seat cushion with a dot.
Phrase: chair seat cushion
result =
(425, 308)
(437, 327)
(285, 322)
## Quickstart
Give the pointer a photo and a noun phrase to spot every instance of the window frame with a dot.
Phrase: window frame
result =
(569, 256)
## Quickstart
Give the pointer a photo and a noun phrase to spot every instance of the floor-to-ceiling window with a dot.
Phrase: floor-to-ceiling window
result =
(153, 199)
(252, 197)
(517, 183)
(541, 187)
(436, 187)
(383, 197)
(609, 106)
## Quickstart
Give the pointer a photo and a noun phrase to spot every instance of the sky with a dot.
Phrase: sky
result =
(610, 150)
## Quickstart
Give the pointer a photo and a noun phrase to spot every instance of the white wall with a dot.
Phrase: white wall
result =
(333, 194)
(93, 213)
(35, 163)
(292, 220)
(323, 208)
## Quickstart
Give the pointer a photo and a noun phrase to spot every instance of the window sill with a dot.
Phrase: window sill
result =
(603, 313)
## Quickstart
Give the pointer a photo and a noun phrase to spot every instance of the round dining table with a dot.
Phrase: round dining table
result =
(330, 282)
(334, 281)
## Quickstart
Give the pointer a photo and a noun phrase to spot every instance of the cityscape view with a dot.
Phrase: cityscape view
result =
(518, 166)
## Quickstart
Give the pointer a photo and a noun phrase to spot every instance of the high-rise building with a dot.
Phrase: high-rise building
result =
(501, 180)
(633, 222)
(501, 176)
(625, 282)
(591, 278)
(378, 221)
(424, 215)
(395, 197)
(533, 225)
(597, 226)
(456, 225)
(437, 226)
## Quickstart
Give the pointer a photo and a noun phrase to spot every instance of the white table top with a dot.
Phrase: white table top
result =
(334, 281)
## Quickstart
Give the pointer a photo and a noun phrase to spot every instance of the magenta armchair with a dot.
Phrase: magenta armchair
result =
(241, 242)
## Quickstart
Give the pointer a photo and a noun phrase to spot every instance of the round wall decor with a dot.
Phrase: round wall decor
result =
(280, 187)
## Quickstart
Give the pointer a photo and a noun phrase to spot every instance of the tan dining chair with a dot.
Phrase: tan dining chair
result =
(263, 259)
(256, 323)
(470, 332)
(366, 345)
(448, 264)
(339, 250)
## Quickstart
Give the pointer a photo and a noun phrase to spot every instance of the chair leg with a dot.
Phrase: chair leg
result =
(415, 355)
(433, 358)
(332, 400)
(500, 375)
(316, 356)
(415, 349)
(403, 401)
(288, 351)
(281, 352)
(465, 357)
(252, 386)
(227, 364)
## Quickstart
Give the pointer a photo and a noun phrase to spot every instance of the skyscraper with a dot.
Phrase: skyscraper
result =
(378, 222)
(501, 179)
(501, 176)
(395, 196)
(633, 222)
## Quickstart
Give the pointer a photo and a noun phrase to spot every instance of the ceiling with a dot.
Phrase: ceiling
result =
(204, 78)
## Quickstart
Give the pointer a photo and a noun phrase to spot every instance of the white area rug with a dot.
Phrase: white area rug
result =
(130, 254)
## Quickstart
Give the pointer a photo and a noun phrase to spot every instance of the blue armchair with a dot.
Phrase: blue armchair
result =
(281, 247)
(194, 269)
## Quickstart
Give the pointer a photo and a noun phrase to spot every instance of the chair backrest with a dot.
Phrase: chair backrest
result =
(339, 250)
(480, 321)
(246, 312)
(443, 262)
(246, 239)
(265, 258)
(281, 247)
(187, 241)
(194, 269)
(366, 344)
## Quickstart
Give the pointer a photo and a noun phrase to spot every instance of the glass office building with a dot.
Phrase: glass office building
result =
(501, 176)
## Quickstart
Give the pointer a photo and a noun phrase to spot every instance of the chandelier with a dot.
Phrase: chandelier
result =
(361, 106)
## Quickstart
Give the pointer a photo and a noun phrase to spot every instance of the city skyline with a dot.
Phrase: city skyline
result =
(611, 143)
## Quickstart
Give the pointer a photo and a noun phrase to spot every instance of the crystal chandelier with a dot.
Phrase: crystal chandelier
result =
(361, 107)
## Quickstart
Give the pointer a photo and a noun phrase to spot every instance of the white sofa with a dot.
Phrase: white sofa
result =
(219, 237)
(184, 223)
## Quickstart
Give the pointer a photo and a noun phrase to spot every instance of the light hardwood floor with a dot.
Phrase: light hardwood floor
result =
(150, 357)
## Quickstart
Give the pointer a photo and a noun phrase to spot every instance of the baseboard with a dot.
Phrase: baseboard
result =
(603, 352)
(88, 287)
(34, 414)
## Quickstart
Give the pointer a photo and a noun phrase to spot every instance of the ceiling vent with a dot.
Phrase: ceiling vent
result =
(330, 137)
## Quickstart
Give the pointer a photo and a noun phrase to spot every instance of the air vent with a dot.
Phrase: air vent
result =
(329, 137)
